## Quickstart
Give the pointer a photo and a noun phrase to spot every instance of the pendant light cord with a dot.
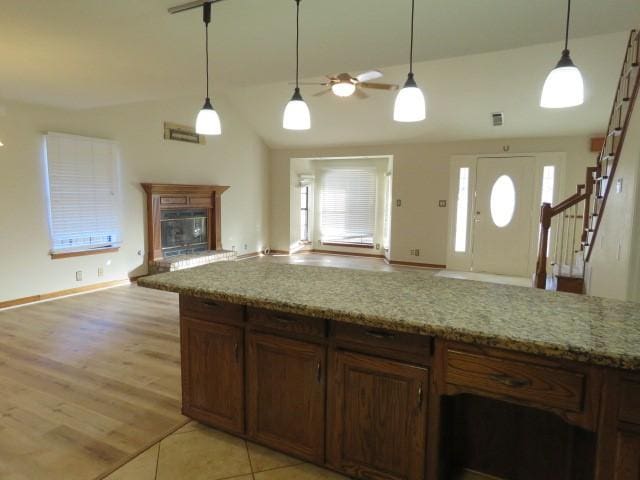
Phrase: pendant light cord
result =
(297, 42)
(566, 33)
(413, 8)
(206, 18)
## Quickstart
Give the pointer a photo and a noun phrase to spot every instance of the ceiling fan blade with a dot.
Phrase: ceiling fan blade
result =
(360, 94)
(368, 76)
(323, 84)
(379, 86)
(323, 92)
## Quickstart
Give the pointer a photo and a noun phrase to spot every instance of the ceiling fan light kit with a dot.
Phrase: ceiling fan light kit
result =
(207, 121)
(296, 113)
(564, 86)
(410, 105)
(343, 89)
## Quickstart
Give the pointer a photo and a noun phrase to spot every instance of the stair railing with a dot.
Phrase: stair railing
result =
(571, 221)
(591, 197)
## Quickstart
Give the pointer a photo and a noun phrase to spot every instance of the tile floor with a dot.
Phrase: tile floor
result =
(196, 452)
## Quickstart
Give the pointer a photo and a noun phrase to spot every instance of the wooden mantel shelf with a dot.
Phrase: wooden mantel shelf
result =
(174, 188)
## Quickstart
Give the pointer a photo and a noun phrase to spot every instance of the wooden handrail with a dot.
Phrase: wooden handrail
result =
(541, 265)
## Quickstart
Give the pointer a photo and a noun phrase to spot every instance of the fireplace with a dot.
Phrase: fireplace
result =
(184, 231)
(183, 221)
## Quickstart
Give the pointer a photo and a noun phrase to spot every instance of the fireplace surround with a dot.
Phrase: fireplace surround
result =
(182, 220)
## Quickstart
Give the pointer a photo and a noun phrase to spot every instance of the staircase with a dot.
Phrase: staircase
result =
(575, 220)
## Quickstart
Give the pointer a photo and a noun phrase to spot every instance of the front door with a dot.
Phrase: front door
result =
(504, 196)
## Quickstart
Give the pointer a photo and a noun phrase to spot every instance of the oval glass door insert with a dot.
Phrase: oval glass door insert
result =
(503, 201)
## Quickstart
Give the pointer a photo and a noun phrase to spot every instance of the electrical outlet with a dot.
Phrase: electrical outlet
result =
(377, 246)
(442, 203)
(100, 271)
(79, 276)
(398, 203)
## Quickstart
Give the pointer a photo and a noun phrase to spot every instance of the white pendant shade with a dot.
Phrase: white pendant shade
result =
(410, 103)
(208, 122)
(296, 115)
(343, 89)
(563, 88)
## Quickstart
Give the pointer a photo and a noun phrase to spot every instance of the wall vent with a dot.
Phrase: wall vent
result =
(497, 118)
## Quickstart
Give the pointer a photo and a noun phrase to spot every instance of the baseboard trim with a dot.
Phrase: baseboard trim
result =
(279, 252)
(348, 254)
(248, 255)
(62, 293)
(416, 264)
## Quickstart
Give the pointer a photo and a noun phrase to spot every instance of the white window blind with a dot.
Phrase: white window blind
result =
(348, 206)
(83, 192)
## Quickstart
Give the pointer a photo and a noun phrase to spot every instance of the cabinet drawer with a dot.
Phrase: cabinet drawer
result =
(203, 201)
(173, 200)
(396, 345)
(546, 386)
(211, 310)
(630, 401)
(287, 322)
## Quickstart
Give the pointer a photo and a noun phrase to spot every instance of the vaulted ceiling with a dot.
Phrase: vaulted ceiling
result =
(90, 53)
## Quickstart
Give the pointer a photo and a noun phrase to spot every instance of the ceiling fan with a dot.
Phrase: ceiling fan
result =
(345, 85)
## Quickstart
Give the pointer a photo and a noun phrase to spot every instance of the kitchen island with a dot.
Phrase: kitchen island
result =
(372, 373)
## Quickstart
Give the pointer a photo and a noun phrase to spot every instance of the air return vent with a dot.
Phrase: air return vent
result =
(497, 119)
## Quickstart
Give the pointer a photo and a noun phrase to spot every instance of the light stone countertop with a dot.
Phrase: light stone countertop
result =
(559, 325)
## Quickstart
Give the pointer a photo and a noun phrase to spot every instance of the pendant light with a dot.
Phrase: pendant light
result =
(564, 86)
(296, 113)
(410, 104)
(208, 121)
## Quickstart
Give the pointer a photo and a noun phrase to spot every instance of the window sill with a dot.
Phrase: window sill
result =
(349, 245)
(81, 253)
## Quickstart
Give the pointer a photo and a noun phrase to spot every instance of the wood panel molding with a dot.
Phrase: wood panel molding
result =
(62, 293)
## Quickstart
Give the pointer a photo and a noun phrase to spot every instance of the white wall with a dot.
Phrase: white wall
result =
(238, 158)
(420, 180)
(614, 269)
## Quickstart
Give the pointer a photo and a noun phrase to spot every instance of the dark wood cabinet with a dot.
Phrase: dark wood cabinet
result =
(627, 465)
(286, 394)
(213, 373)
(377, 417)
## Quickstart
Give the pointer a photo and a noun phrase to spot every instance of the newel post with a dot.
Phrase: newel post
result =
(541, 265)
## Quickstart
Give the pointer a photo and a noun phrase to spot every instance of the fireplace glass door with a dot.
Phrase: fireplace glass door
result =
(184, 231)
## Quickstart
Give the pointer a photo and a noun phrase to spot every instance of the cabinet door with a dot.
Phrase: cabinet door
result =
(286, 395)
(628, 456)
(212, 373)
(377, 417)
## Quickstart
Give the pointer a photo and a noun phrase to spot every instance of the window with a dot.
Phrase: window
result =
(83, 193)
(503, 201)
(386, 234)
(348, 206)
(462, 211)
(548, 184)
(304, 213)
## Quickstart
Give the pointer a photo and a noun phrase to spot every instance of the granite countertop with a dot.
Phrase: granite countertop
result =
(560, 325)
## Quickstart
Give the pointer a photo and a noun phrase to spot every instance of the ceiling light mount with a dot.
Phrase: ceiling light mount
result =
(191, 5)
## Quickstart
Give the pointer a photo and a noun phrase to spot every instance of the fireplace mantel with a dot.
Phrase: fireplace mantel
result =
(163, 197)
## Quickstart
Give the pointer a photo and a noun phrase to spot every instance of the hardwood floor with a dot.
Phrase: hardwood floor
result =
(85, 384)
(90, 381)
